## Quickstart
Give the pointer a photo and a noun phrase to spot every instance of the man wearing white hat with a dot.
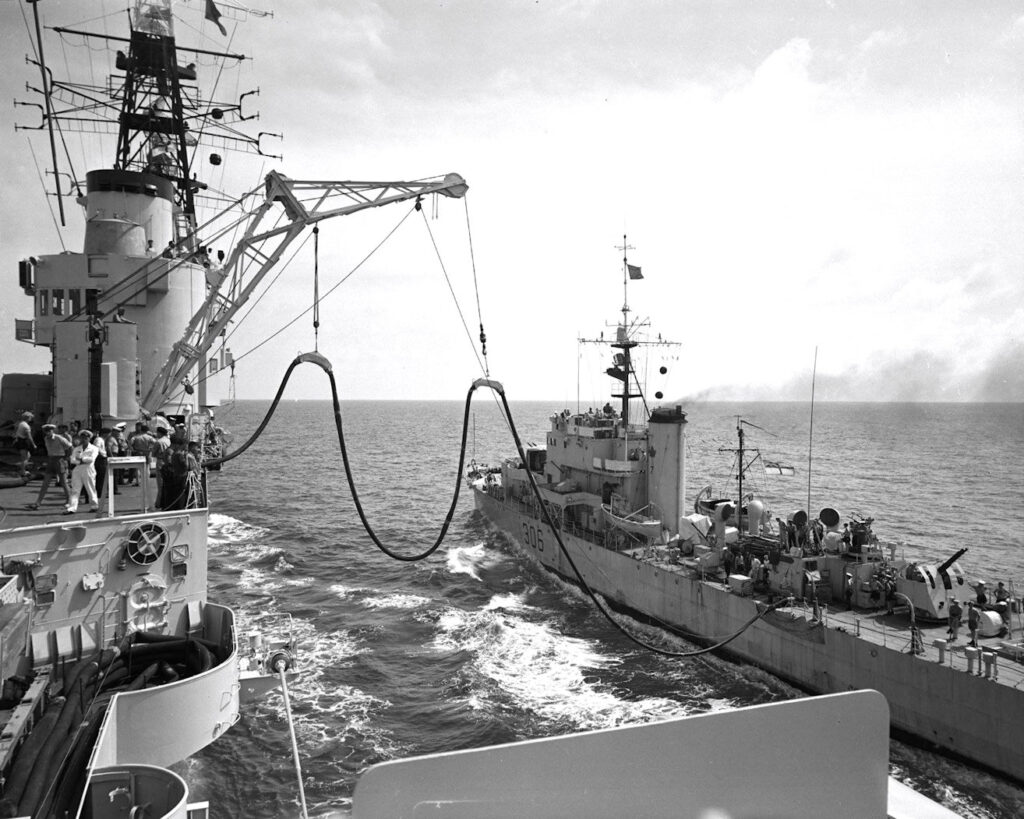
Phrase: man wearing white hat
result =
(83, 459)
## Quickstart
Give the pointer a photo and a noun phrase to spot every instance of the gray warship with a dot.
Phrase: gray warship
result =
(813, 599)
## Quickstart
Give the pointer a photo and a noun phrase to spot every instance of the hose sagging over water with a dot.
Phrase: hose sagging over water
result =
(495, 386)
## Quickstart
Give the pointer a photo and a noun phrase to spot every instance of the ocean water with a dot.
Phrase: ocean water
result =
(476, 646)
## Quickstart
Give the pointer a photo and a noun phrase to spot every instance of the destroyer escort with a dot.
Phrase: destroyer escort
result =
(814, 599)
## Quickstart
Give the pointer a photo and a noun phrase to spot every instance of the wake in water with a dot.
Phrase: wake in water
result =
(470, 647)
(337, 725)
(524, 666)
(469, 560)
(376, 599)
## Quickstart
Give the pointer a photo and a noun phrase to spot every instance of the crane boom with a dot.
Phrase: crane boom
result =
(301, 203)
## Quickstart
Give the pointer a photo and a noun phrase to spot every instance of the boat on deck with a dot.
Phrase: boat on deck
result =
(639, 523)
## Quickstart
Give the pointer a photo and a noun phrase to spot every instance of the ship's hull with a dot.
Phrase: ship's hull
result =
(965, 714)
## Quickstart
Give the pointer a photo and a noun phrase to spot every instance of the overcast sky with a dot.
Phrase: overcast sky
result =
(846, 176)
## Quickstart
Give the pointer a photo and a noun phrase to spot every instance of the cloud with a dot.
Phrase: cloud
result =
(1002, 377)
(919, 376)
(789, 178)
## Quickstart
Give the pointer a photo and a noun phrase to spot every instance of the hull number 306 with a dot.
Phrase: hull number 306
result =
(533, 536)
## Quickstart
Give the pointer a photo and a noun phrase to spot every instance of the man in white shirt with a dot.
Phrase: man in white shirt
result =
(83, 474)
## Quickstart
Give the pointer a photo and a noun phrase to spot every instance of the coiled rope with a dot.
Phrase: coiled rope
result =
(496, 387)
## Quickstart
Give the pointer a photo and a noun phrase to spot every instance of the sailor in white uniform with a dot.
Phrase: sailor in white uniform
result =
(83, 462)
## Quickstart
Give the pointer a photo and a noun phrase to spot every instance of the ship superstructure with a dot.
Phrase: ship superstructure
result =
(814, 599)
(112, 313)
(115, 663)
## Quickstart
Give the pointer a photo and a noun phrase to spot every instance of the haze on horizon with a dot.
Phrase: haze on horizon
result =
(839, 177)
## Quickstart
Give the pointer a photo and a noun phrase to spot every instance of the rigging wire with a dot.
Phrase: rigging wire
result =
(316, 288)
(476, 289)
(37, 49)
(484, 366)
(56, 123)
(266, 290)
(344, 279)
(140, 273)
(496, 387)
(213, 91)
(278, 332)
(451, 289)
(42, 182)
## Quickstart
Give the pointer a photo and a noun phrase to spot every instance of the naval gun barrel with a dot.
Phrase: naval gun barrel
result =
(950, 561)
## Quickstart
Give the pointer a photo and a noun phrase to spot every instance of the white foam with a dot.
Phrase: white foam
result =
(508, 602)
(343, 591)
(282, 565)
(467, 559)
(329, 711)
(373, 599)
(542, 671)
(227, 528)
(396, 601)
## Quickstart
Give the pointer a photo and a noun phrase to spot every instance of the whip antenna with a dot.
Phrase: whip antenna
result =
(810, 441)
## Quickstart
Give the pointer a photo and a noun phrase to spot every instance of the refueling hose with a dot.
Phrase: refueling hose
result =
(322, 362)
(495, 386)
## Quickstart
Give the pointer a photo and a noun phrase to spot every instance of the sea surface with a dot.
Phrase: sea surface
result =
(475, 646)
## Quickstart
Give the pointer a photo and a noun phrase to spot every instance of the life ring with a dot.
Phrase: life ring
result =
(146, 543)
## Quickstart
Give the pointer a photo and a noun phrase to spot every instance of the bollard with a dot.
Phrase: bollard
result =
(972, 655)
(991, 669)
(941, 646)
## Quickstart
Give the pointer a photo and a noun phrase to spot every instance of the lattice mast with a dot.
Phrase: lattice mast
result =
(153, 134)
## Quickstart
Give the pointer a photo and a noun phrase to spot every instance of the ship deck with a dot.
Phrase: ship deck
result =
(15, 512)
(875, 626)
(893, 632)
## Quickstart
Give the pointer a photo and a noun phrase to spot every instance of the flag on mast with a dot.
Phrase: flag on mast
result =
(634, 271)
(213, 15)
